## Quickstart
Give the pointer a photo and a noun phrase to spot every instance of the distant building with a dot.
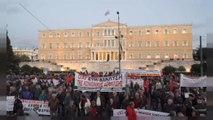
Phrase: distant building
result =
(141, 45)
(32, 53)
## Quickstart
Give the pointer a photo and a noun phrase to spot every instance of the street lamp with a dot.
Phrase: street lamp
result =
(119, 48)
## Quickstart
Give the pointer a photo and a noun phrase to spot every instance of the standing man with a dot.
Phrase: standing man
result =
(100, 103)
(53, 104)
(130, 112)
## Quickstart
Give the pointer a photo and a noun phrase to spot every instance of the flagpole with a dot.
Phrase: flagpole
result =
(119, 48)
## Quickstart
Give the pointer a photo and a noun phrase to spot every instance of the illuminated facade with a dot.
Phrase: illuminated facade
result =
(76, 48)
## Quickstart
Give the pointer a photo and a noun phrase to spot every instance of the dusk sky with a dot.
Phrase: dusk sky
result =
(59, 14)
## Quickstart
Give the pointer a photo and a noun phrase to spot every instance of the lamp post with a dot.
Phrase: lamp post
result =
(119, 48)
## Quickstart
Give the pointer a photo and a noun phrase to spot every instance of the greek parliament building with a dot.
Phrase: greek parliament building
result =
(96, 48)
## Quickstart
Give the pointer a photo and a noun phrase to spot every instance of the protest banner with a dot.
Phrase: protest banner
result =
(193, 82)
(43, 106)
(140, 112)
(140, 72)
(29, 105)
(139, 81)
(100, 82)
(10, 101)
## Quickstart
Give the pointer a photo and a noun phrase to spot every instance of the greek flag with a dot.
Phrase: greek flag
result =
(106, 13)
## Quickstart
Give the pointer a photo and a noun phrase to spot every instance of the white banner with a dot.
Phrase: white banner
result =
(114, 81)
(134, 81)
(10, 101)
(192, 82)
(43, 106)
(142, 72)
(140, 112)
(29, 105)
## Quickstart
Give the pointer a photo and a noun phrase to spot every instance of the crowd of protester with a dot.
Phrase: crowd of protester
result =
(65, 101)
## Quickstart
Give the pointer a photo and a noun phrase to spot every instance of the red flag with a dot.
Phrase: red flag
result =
(68, 78)
(171, 85)
(146, 85)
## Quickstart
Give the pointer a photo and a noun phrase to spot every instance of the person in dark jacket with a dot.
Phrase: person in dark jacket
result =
(169, 106)
(26, 93)
(100, 103)
(18, 107)
(71, 111)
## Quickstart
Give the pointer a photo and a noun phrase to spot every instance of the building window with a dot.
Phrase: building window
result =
(139, 43)
(65, 45)
(108, 42)
(113, 32)
(156, 32)
(185, 43)
(50, 56)
(105, 43)
(98, 34)
(56, 57)
(88, 45)
(72, 34)
(185, 55)
(80, 45)
(109, 32)
(43, 46)
(72, 45)
(131, 44)
(58, 35)
(166, 43)
(157, 43)
(79, 56)
(140, 55)
(65, 56)
(147, 31)
(157, 56)
(130, 32)
(88, 34)
(174, 31)
(105, 32)
(113, 44)
(43, 35)
(175, 43)
(139, 32)
(50, 35)
(148, 56)
(184, 31)
(65, 34)
(165, 31)
(57, 45)
(131, 56)
(80, 34)
(51, 46)
(148, 44)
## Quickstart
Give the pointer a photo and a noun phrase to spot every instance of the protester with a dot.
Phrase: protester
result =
(157, 94)
(18, 107)
(54, 105)
(130, 112)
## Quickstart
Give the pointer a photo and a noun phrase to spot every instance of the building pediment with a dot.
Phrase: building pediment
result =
(108, 23)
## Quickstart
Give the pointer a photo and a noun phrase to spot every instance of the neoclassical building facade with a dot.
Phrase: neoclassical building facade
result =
(97, 45)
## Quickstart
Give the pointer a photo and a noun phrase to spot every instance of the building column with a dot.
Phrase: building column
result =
(109, 55)
(91, 58)
(94, 55)
(106, 55)
(98, 55)
(102, 55)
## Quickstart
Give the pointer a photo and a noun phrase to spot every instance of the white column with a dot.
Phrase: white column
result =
(106, 55)
(98, 55)
(94, 55)
(91, 56)
(102, 56)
